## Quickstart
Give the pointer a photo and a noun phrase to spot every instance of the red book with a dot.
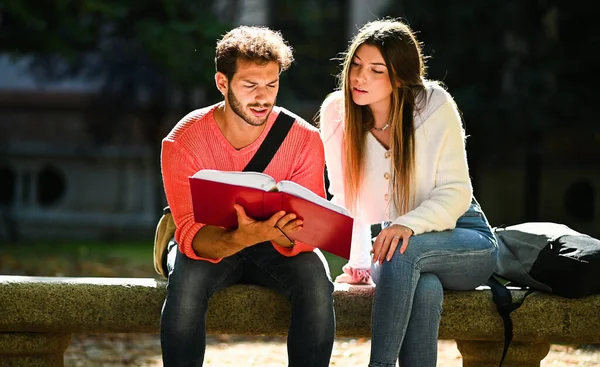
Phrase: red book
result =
(326, 225)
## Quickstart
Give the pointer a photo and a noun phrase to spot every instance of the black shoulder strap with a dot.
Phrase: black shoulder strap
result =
(505, 305)
(268, 148)
(270, 145)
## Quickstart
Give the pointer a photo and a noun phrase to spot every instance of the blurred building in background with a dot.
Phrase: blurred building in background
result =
(63, 176)
(56, 182)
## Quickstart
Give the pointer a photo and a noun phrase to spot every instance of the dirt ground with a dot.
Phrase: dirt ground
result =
(228, 351)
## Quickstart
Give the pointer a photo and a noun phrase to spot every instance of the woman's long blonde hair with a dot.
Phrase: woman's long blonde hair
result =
(405, 63)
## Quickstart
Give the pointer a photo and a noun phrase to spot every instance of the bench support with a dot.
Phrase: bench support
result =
(487, 354)
(33, 349)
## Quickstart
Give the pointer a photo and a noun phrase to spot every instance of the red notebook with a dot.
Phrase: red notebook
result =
(326, 225)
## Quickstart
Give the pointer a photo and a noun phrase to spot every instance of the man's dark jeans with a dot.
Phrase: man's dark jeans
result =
(304, 279)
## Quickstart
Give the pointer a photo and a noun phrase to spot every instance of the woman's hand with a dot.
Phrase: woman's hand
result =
(387, 242)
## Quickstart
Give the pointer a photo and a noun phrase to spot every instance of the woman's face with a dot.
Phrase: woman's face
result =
(369, 77)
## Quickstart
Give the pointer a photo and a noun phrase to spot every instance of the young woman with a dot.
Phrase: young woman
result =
(395, 154)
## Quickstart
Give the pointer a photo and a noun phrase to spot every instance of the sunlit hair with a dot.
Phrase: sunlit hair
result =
(405, 63)
(257, 44)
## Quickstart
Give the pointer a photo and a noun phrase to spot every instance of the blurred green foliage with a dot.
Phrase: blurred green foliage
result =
(178, 37)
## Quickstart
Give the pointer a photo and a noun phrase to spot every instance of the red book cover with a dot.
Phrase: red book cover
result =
(325, 225)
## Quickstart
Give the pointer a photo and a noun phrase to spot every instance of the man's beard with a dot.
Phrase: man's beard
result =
(238, 109)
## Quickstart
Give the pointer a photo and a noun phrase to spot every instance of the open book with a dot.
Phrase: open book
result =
(325, 225)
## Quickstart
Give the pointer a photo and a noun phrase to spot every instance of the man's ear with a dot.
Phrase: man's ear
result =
(221, 82)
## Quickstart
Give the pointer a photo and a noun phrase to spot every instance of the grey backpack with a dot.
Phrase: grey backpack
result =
(542, 256)
(549, 257)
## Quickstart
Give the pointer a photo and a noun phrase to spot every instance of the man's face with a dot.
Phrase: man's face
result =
(252, 91)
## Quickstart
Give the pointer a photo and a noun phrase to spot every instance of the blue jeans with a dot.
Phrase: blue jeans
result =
(304, 279)
(409, 293)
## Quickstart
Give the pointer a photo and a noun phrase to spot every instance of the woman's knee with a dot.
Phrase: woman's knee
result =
(429, 292)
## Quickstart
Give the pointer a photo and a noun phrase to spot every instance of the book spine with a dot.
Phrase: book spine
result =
(272, 203)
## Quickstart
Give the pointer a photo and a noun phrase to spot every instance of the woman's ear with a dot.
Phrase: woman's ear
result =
(398, 83)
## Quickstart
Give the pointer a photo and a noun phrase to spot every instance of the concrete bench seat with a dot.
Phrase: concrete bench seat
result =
(39, 314)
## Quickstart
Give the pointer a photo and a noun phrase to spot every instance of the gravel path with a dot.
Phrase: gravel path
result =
(117, 350)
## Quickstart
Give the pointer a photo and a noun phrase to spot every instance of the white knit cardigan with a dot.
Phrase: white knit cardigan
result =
(442, 186)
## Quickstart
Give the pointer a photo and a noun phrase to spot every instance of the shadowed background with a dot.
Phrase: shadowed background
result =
(89, 88)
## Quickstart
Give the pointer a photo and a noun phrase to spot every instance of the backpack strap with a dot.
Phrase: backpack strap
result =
(258, 163)
(272, 142)
(505, 305)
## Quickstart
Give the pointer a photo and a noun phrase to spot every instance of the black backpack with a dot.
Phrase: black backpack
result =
(542, 256)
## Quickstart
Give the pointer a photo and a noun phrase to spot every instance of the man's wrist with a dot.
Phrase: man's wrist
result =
(238, 238)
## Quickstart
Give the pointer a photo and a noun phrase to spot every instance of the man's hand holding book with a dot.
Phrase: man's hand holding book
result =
(273, 229)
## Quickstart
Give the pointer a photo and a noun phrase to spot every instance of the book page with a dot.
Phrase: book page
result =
(295, 189)
(255, 180)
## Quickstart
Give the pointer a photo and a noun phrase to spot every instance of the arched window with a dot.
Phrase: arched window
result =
(51, 186)
(8, 182)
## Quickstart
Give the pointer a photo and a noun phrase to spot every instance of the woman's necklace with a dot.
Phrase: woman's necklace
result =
(382, 128)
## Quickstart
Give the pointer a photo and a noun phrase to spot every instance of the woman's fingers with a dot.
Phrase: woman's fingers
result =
(404, 244)
(393, 247)
(388, 241)
(375, 249)
(380, 248)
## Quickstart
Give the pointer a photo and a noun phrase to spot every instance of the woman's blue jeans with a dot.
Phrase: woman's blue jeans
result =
(304, 279)
(409, 293)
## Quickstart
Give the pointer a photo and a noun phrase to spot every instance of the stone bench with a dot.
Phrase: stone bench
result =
(39, 314)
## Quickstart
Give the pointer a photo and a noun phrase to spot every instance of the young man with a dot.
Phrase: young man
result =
(226, 136)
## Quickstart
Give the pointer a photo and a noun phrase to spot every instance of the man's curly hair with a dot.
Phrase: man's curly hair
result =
(257, 44)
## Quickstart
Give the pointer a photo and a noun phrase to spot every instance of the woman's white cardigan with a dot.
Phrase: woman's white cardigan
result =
(442, 186)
